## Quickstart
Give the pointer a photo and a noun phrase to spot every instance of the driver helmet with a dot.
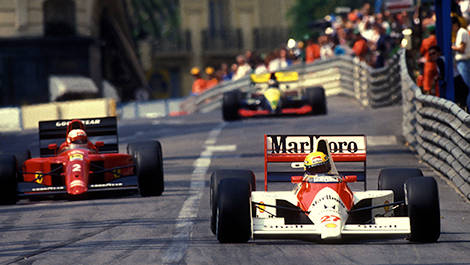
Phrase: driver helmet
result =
(316, 162)
(77, 136)
(272, 82)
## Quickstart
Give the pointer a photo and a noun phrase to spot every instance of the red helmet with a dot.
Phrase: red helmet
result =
(77, 136)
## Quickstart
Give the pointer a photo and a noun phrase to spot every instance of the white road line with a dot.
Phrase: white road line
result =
(222, 148)
(175, 253)
(381, 140)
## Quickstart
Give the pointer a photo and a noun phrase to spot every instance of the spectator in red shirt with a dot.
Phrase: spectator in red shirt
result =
(312, 51)
(430, 68)
(199, 84)
(360, 47)
(212, 81)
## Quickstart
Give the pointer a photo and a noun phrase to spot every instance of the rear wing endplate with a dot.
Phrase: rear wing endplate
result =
(55, 132)
(294, 148)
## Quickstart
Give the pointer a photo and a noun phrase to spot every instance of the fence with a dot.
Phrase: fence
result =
(339, 75)
(438, 130)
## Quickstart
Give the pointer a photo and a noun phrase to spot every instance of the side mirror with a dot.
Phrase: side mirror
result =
(351, 178)
(52, 147)
(296, 179)
(99, 144)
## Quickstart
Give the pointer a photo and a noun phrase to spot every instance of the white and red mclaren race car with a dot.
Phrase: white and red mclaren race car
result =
(323, 207)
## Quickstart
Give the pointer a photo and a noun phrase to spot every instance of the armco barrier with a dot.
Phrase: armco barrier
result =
(10, 119)
(438, 130)
(149, 109)
(32, 114)
(339, 75)
(27, 117)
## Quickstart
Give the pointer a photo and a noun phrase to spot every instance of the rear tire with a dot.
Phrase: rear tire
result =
(149, 167)
(423, 209)
(394, 179)
(317, 100)
(21, 157)
(233, 222)
(8, 187)
(216, 177)
(230, 105)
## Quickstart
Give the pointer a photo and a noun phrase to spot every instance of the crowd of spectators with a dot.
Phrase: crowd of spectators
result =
(432, 71)
(371, 37)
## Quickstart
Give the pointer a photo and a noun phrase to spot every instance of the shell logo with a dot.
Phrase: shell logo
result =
(330, 225)
(386, 208)
(261, 207)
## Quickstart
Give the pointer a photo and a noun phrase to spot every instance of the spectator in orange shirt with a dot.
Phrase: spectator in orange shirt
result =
(212, 81)
(360, 47)
(430, 68)
(312, 51)
(199, 84)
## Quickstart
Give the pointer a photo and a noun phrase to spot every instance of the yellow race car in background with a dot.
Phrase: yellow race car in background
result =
(273, 94)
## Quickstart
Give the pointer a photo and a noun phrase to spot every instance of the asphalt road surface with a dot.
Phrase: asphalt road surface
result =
(174, 228)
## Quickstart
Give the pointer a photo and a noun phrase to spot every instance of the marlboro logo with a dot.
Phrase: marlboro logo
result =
(278, 144)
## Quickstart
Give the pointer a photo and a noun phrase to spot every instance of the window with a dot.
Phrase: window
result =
(59, 18)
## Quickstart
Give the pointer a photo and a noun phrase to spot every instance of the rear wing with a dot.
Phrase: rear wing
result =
(294, 148)
(104, 129)
(281, 77)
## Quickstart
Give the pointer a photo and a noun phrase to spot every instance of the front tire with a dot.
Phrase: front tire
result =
(423, 209)
(230, 105)
(216, 177)
(21, 157)
(8, 187)
(317, 100)
(233, 223)
(149, 167)
(394, 179)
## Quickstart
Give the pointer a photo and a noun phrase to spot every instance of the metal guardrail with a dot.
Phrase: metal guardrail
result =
(438, 130)
(339, 75)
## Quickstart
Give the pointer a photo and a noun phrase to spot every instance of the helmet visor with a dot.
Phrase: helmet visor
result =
(318, 168)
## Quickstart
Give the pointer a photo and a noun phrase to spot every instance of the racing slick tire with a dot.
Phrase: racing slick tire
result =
(216, 177)
(394, 179)
(8, 192)
(317, 100)
(422, 198)
(233, 220)
(148, 168)
(21, 157)
(230, 105)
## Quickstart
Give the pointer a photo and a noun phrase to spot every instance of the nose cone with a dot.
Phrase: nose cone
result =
(77, 187)
(273, 96)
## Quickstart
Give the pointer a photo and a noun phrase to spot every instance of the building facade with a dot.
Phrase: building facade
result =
(212, 32)
(43, 38)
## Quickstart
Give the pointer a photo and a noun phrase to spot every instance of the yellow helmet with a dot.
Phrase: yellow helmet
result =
(209, 70)
(195, 71)
(316, 162)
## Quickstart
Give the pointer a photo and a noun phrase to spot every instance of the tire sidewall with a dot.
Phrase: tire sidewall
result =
(233, 213)
(8, 172)
(316, 99)
(148, 167)
(216, 177)
(422, 199)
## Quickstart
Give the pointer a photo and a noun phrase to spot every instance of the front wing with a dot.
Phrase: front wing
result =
(31, 189)
(276, 228)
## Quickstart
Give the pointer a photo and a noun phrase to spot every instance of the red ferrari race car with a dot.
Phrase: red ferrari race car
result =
(79, 166)
(322, 206)
(275, 93)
